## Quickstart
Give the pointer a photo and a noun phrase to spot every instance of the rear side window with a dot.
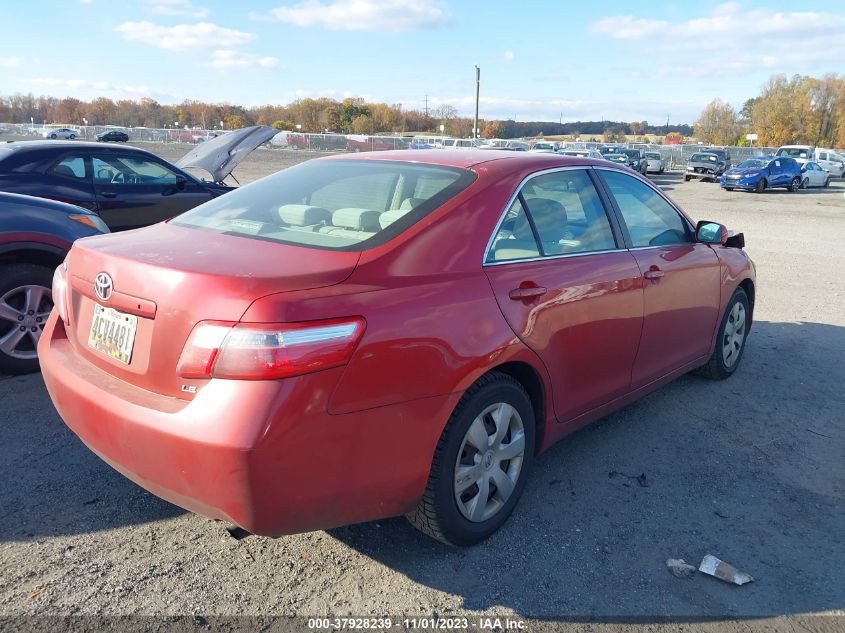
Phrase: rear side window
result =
(651, 221)
(70, 167)
(335, 204)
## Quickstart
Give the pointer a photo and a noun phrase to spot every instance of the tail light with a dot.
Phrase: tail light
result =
(60, 290)
(264, 351)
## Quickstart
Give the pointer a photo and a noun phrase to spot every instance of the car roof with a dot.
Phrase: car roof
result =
(464, 159)
(47, 143)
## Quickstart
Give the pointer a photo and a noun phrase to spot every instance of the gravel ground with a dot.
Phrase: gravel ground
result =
(750, 469)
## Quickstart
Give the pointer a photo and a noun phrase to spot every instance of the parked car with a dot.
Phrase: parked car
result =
(359, 143)
(761, 173)
(126, 186)
(814, 175)
(583, 153)
(60, 132)
(799, 153)
(361, 337)
(545, 147)
(722, 153)
(113, 136)
(636, 159)
(456, 143)
(704, 166)
(35, 236)
(831, 161)
(616, 157)
(654, 163)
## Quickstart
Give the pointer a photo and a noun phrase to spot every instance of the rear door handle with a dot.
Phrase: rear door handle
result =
(108, 194)
(653, 274)
(531, 292)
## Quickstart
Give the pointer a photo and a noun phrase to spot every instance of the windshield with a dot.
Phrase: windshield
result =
(336, 204)
(633, 153)
(653, 155)
(753, 163)
(543, 146)
(794, 152)
(703, 158)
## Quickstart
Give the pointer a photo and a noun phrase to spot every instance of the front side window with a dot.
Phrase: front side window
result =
(335, 204)
(70, 167)
(650, 219)
(131, 170)
(562, 210)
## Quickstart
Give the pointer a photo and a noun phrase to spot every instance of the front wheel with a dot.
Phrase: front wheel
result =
(795, 185)
(733, 332)
(25, 304)
(686, 178)
(480, 463)
(72, 136)
(827, 182)
(805, 183)
(53, 136)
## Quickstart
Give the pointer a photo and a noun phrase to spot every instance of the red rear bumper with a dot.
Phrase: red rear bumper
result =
(264, 455)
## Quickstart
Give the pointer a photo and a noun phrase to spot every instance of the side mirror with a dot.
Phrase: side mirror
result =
(180, 183)
(804, 168)
(711, 232)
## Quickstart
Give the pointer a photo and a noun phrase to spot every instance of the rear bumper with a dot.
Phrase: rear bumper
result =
(264, 455)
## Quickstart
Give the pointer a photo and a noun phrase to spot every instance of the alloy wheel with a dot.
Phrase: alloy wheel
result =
(489, 462)
(733, 335)
(23, 313)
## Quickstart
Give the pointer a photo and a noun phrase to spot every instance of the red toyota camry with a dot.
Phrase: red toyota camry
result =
(364, 337)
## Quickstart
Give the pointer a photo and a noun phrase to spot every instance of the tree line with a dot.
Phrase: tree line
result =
(353, 115)
(800, 110)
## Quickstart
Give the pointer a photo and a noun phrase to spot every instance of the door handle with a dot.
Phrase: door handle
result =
(530, 292)
(108, 194)
(654, 273)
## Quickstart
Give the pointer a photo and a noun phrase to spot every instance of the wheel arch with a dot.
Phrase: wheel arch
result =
(38, 254)
(530, 379)
(748, 285)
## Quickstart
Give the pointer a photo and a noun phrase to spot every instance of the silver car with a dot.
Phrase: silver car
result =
(584, 153)
(654, 163)
(61, 132)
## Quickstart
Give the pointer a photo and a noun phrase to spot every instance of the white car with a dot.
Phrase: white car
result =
(61, 132)
(545, 147)
(831, 161)
(814, 175)
(583, 153)
(654, 163)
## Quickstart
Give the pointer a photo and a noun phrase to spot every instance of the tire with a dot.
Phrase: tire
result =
(827, 182)
(72, 136)
(760, 187)
(805, 183)
(795, 184)
(729, 188)
(53, 136)
(23, 288)
(456, 520)
(686, 178)
(727, 353)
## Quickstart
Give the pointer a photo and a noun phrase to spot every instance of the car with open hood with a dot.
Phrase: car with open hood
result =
(371, 335)
(126, 186)
(763, 172)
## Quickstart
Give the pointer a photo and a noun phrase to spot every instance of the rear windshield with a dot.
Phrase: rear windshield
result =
(703, 158)
(334, 204)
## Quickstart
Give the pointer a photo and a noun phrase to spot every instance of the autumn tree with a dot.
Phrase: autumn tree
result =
(493, 129)
(717, 124)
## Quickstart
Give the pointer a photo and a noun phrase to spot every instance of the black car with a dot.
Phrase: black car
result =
(35, 236)
(126, 186)
(114, 136)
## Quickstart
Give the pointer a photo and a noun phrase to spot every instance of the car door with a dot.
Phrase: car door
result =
(568, 288)
(816, 175)
(134, 190)
(779, 175)
(66, 180)
(682, 279)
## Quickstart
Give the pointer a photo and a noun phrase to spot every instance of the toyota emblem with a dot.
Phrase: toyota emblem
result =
(103, 286)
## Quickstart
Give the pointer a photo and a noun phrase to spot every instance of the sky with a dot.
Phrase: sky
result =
(552, 60)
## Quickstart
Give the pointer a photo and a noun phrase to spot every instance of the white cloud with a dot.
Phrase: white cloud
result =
(10, 62)
(176, 7)
(362, 15)
(227, 58)
(87, 88)
(507, 56)
(183, 37)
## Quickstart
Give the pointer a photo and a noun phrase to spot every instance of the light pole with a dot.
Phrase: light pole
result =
(477, 90)
(442, 127)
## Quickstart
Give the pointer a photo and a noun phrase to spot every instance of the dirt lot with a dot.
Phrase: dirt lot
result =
(750, 470)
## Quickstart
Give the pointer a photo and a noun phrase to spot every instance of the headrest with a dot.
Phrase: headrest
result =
(356, 219)
(549, 217)
(389, 217)
(303, 214)
(411, 203)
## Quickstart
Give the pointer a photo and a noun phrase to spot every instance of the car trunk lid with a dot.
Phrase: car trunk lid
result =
(168, 278)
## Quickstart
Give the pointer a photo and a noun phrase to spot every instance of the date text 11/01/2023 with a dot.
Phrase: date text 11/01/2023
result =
(423, 623)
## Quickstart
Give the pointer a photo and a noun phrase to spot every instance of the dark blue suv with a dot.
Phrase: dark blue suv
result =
(761, 173)
(35, 236)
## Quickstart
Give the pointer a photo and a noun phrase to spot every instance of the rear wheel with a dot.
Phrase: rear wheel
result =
(72, 136)
(730, 344)
(760, 187)
(25, 304)
(480, 463)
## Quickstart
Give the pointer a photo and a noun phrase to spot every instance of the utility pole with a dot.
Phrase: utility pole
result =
(426, 106)
(475, 133)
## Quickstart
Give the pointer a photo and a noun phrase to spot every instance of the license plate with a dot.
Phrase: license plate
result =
(113, 333)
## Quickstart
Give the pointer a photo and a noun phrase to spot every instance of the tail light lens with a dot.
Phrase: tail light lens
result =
(264, 351)
(60, 290)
